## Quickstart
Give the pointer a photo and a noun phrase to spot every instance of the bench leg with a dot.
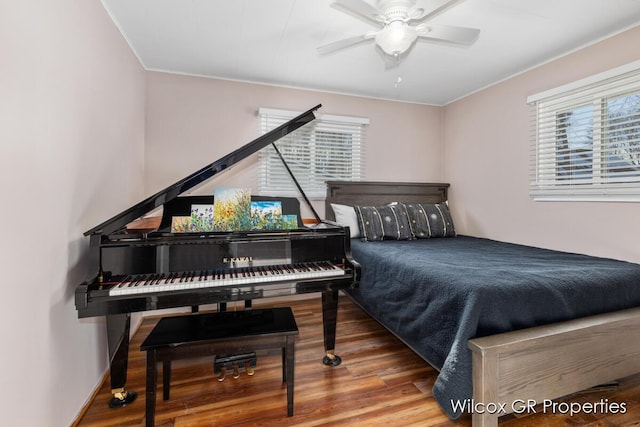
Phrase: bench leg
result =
(152, 383)
(166, 379)
(290, 365)
(284, 364)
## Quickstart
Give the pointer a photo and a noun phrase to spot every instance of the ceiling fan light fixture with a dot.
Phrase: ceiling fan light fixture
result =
(400, 23)
(396, 38)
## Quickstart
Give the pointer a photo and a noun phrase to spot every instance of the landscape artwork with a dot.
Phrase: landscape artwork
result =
(289, 222)
(231, 209)
(266, 215)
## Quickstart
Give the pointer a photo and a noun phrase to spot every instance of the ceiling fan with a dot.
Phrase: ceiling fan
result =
(401, 23)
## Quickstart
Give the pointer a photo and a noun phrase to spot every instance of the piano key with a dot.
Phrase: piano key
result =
(233, 277)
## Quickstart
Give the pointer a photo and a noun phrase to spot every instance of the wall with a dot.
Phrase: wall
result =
(486, 160)
(71, 141)
(73, 153)
(192, 121)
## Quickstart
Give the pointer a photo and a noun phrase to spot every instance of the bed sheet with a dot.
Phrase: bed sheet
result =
(436, 294)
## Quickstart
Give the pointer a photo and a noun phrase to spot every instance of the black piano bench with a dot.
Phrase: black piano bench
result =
(220, 334)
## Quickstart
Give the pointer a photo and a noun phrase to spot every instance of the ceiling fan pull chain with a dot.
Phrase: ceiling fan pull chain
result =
(396, 58)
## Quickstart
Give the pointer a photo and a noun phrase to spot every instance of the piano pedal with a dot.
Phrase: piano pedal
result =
(248, 369)
(236, 371)
(234, 363)
(223, 373)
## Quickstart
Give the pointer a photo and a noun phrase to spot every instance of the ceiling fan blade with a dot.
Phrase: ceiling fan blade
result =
(341, 44)
(438, 7)
(363, 10)
(448, 33)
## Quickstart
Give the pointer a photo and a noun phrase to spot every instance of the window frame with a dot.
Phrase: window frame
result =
(307, 141)
(597, 182)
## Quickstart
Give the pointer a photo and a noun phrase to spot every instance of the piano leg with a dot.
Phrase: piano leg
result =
(118, 326)
(329, 321)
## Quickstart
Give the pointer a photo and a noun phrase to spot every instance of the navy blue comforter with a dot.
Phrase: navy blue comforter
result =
(436, 294)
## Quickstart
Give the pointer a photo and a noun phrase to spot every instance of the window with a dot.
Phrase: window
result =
(328, 148)
(587, 139)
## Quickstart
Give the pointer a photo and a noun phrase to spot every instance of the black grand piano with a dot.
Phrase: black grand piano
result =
(156, 269)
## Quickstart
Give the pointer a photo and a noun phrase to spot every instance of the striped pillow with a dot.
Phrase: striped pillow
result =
(388, 222)
(429, 220)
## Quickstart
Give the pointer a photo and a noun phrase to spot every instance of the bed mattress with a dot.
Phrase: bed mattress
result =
(436, 294)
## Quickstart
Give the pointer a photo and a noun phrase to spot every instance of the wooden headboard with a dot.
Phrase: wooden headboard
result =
(369, 193)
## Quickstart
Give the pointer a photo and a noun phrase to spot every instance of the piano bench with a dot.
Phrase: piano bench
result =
(221, 333)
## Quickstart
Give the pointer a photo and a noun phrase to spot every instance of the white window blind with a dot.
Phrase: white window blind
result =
(586, 143)
(328, 148)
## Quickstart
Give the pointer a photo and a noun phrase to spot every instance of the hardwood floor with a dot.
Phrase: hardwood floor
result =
(380, 382)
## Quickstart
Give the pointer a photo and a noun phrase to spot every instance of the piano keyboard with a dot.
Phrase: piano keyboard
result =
(160, 282)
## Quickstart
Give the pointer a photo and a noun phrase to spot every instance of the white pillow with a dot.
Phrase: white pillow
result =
(346, 216)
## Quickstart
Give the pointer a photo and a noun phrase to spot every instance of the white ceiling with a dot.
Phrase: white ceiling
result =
(275, 41)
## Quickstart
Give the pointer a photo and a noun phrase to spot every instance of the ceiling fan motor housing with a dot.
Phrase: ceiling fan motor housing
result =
(397, 10)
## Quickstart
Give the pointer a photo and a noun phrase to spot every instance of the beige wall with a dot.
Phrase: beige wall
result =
(193, 121)
(71, 141)
(486, 160)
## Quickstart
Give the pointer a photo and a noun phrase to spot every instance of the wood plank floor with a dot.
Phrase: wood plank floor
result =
(380, 382)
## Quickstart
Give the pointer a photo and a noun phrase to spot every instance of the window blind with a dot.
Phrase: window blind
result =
(586, 139)
(329, 148)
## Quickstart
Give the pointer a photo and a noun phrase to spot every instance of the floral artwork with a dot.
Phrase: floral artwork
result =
(231, 209)
(201, 218)
(289, 222)
(266, 215)
(180, 224)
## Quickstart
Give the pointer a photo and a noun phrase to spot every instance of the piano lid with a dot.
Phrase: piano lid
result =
(202, 175)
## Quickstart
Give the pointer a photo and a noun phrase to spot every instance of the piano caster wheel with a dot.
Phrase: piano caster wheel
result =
(122, 398)
(332, 360)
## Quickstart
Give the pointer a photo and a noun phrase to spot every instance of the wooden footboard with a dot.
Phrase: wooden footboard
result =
(516, 370)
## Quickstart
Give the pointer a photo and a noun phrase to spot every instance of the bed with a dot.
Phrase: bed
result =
(507, 326)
